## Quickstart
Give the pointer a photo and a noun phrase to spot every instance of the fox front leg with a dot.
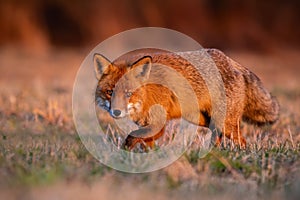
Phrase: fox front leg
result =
(144, 136)
(135, 137)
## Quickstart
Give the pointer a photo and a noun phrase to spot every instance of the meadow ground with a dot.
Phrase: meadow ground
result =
(42, 157)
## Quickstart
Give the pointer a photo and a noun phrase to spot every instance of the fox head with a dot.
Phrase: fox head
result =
(128, 93)
(117, 82)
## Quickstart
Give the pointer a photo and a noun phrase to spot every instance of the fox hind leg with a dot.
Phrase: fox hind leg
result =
(232, 131)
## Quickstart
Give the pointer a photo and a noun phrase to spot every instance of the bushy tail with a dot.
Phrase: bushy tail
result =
(261, 108)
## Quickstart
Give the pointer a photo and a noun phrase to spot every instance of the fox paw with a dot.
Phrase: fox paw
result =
(131, 142)
(241, 142)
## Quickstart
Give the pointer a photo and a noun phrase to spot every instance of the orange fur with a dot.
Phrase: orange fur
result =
(246, 98)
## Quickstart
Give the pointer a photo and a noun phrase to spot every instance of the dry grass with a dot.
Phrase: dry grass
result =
(41, 156)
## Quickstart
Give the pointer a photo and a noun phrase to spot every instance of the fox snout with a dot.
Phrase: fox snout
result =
(117, 113)
(132, 108)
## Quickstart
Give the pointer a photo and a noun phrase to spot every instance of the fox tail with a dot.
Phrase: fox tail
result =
(261, 107)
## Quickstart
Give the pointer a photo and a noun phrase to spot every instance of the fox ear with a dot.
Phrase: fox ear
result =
(142, 67)
(101, 64)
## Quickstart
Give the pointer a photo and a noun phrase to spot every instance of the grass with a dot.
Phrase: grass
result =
(41, 153)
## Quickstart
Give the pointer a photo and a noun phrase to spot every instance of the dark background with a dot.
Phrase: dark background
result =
(232, 24)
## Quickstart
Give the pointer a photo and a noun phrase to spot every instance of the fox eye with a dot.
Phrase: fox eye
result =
(109, 92)
(128, 94)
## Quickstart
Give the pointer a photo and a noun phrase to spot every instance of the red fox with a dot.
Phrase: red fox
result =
(246, 97)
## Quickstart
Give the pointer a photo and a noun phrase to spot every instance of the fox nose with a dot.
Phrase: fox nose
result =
(116, 113)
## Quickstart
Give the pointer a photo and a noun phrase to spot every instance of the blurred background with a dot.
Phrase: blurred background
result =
(225, 24)
(54, 36)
